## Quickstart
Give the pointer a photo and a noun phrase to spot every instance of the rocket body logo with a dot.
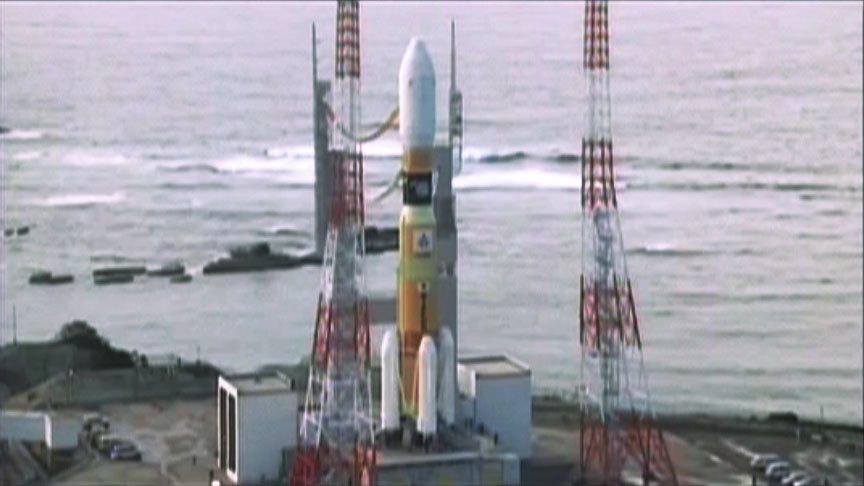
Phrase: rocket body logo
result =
(423, 242)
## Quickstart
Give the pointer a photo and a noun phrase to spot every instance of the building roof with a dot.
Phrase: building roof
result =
(495, 366)
(399, 457)
(164, 360)
(256, 383)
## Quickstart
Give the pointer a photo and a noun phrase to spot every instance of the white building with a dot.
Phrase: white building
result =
(55, 431)
(495, 395)
(23, 426)
(256, 420)
(61, 433)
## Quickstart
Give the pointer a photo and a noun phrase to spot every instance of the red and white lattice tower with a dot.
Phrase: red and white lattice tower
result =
(337, 442)
(617, 422)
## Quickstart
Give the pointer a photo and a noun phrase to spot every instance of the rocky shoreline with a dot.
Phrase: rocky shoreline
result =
(255, 257)
(78, 346)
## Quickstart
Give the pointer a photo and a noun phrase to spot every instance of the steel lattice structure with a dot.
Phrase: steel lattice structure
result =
(337, 441)
(617, 422)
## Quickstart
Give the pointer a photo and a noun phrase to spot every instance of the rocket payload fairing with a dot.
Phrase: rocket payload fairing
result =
(418, 259)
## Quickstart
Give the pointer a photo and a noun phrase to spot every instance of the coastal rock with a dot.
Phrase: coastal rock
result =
(261, 262)
(184, 278)
(47, 278)
(116, 271)
(258, 257)
(118, 278)
(169, 269)
(253, 250)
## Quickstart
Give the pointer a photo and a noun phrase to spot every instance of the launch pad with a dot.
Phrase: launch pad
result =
(431, 430)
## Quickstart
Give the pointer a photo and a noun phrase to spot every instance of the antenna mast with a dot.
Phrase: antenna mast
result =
(455, 133)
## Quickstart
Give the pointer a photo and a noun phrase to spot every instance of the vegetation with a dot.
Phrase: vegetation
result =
(78, 346)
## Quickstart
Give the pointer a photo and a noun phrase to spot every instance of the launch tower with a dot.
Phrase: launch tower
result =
(617, 421)
(337, 431)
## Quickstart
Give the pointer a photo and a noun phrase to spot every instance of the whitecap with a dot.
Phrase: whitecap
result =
(95, 159)
(82, 200)
(517, 179)
(28, 155)
(22, 135)
(290, 152)
(249, 164)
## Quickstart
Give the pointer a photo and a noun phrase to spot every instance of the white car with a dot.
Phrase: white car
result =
(793, 477)
(777, 471)
(761, 461)
(809, 481)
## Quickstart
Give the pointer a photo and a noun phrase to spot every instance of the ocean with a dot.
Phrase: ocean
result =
(147, 132)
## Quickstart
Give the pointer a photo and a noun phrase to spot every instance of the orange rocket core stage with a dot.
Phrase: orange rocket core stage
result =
(418, 268)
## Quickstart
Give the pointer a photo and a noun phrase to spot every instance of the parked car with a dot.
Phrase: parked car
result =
(793, 477)
(125, 451)
(761, 462)
(809, 481)
(94, 420)
(776, 471)
(105, 443)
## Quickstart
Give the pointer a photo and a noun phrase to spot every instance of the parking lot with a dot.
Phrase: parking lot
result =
(833, 456)
(712, 449)
(175, 438)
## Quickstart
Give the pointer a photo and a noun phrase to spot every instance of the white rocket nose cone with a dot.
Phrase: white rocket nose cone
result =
(416, 61)
(417, 96)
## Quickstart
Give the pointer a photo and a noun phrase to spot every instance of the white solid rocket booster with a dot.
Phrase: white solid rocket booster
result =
(427, 416)
(446, 376)
(390, 381)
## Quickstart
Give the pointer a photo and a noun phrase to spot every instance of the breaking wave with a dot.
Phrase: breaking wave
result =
(83, 159)
(724, 166)
(488, 156)
(192, 185)
(14, 134)
(304, 151)
(243, 164)
(82, 200)
(756, 186)
(112, 258)
(664, 249)
(190, 168)
(528, 179)
(28, 155)
(389, 150)
(282, 231)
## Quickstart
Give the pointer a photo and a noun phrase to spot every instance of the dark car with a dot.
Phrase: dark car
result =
(760, 462)
(106, 443)
(125, 451)
(777, 471)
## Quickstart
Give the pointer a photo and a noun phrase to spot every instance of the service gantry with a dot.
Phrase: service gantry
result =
(617, 421)
(337, 432)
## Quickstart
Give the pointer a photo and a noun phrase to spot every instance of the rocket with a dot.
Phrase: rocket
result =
(418, 315)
